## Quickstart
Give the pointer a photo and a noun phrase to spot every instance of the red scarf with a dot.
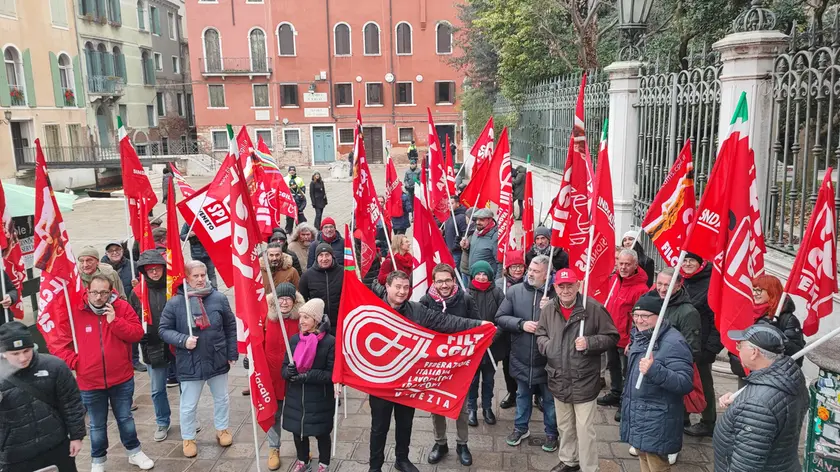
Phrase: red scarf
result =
(487, 228)
(761, 310)
(482, 286)
(688, 276)
(436, 296)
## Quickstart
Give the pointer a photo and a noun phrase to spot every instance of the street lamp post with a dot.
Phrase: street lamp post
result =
(632, 25)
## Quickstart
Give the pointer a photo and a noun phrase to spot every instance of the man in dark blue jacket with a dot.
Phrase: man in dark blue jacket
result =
(454, 228)
(330, 236)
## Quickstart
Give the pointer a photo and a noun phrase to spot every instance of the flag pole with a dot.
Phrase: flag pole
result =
(277, 307)
(451, 211)
(588, 271)
(189, 310)
(253, 409)
(3, 284)
(661, 317)
(548, 271)
(335, 425)
(131, 260)
(195, 218)
(70, 317)
(477, 199)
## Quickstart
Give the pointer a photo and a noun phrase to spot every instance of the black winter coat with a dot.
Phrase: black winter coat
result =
(521, 304)
(488, 303)
(326, 285)
(155, 351)
(519, 183)
(789, 324)
(426, 317)
(123, 269)
(460, 222)
(310, 404)
(29, 427)
(760, 429)
(559, 261)
(698, 289)
(460, 305)
(318, 194)
(645, 263)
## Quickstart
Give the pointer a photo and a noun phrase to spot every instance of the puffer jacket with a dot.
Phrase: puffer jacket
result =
(426, 317)
(123, 270)
(519, 183)
(216, 344)
(488, 303)
(197, 250)
(521, 304)
(652, 416)
(697, 285)
(337, 245)
(403, 222)
(286, 273)
(626, 293)
(460, 304)
(760, 429)
(275, 345)
(155, 351)
(683, 317)
(483, 248)
(326, 285)
(789, 324)
(574, 376)
(104, 357)
(310, 404)
(29, 427)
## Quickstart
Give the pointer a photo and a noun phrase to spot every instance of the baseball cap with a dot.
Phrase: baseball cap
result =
(762, 335)
(565, 276)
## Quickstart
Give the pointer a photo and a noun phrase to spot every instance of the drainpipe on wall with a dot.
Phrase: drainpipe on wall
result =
(391, 66)
(330, 92)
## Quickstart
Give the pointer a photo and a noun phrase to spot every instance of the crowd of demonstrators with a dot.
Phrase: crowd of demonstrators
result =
(279, 236)
(446, 297)
(298, 189)
(401, 248)
(513, 274)
(42, 418)
(330, 236)
(542, 246)
(630, 282)
(454, 228)
(483, 244)
(488, 298)
(573, 367)
(205, 343)
(300, 241)
(519, 315)
(280, 264)
(680, 313)
(318, 195)
(199, 253)
(9, 297)
(645, 262)
(324, 281)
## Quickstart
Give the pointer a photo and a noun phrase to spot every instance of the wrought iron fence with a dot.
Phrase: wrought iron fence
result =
(81, 156)
(234, 65)
(105, 85)
(546, 118)
(805, 131)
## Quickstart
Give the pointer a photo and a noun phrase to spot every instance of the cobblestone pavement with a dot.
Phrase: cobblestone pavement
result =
(97, 221)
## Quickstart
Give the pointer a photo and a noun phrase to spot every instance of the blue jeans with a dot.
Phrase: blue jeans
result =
(159, 398)
(96, 402)
(524, 404)
(274, 431)
(487, 373)
(190, 394)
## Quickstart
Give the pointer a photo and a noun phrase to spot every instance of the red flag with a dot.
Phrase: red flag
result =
(249, 292)
(186, 189)
(438, 201)
(6, 218)
(672, 210)
(450, 170)
(135, 181)
(572, 208)
(602, 257)
(483, 147)
(366, 208)
(12, 254)
(489, 182)
(279, 196)
(384, 354)
(727, 230)
(245, 148)
(212, 228)
(428, 247)
(174, 255)
(528, 216)
(505, 216)
(814, 273)
(220, 186)
(53, 256)
(146, 242)
(393, 191)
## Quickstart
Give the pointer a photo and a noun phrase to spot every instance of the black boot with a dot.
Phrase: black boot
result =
(437, 453)
(405, 465)
(464, 454)
(472, 418)
(508, 402)
(489, 417)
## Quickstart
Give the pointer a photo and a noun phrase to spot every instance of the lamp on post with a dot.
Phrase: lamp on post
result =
(632, 25)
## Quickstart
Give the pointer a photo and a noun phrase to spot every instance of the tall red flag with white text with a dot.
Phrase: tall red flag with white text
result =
(137, 188)
(504, 218)
(814, 273)
(174, 256)
(527, 216)
(220, 186)
(438, 200)
(393, 190)
(483, 148)
(428, 247)
(12, 255)
(366, 209)
(602, 257)
(488, 184)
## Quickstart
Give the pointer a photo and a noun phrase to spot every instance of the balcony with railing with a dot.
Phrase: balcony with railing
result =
(18, 95)
(105, 85)
(71, 157)
(222, 66)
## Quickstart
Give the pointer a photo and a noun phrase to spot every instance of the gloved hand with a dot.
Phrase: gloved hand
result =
(246, 363)
(301, 378)
(292, 370)
(144, 339)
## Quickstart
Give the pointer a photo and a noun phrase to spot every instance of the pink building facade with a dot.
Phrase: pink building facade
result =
(292, 71)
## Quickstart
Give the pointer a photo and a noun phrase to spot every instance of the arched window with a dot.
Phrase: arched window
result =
(65, 73)
(14, 75)
(119, 64)
(106, 64)
(141, 15)
(443, 38)
(259, 58)
(148, 68)
(342, 39)
(404, 42)
(371, 35)
(212, 51)
(286, 39)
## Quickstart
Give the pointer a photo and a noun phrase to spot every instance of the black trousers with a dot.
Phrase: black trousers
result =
(617, 366)
(380, 412)
(319, 212)
(58, 457)
(709, 415)
(510, 382)
(324, 448)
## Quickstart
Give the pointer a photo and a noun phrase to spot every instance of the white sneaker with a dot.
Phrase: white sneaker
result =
(97, 467)
(141, 460)
(672, 458)
(633, 452)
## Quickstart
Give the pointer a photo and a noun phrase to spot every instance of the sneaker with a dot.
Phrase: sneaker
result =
(274, 459)
(516, 437)
(171, 383)
(551, 444)
(323, 467)
(300, 466)
(610, 399)
(133, 406)
(100, 467)
(161, 433)
(141, 460)
(224, 437)
(672, 458)
(190, 449)
(633, 452)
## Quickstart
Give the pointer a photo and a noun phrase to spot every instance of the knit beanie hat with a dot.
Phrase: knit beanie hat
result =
(327, 221)
(14, 337)
(88, 251)
(285, 289)
(323, 247)
(691, 255)
(482, 266)
(649, 302)
(543, 231)
(514, 258)
(314, 309)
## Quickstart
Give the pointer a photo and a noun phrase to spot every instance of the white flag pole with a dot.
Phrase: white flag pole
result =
(253, 409)
(70, 317)
(588, 272)
(3, 284)
(131, 260)
(189, 310)
(335, 424)
(548, 271)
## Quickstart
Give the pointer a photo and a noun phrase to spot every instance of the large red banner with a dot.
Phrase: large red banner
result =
(388, 356)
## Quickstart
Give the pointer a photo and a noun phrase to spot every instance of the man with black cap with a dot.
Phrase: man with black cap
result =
(116, 258)
(483, 244)
(42, 419)
(330, 236)
(542, 246)
(761, 426)
(280, 236)
(652, 415)
(324, 280)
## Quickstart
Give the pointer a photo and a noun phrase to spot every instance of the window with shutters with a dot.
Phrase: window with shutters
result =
(114, 12)
(8, 8)
(220, 140)
(266, 136)
(58, 12)
(179, 99)
(373, 94)
(150, 116)
(217, 96)
(212, 51)
(371, 34)
(148, 68)
(259, 57)
(14, 76)
(341, 35)
(404, 40)
(443, 38)
(171, 26)
(286, 39)
(406, 135)
(158, 61)
(344, 95)
(405, 93)
(345, 136)
(176, 64)
(67, 80)
(444, 93)
(74, 133)
(52, 143)
(119, 63)
(106, 61)
(141, 15)
(260, 95)
(291, 139)
(154, 20)
(123, 111)
(161, 104)
(288, 95)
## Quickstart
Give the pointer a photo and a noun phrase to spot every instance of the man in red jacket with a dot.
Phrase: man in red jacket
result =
(106, 327)
(630, 282)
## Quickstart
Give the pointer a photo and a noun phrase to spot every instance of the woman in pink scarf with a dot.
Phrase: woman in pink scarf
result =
(309, 406)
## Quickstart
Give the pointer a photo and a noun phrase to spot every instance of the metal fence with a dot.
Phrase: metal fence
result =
(546, 118)
(87, 156)
(805, 131)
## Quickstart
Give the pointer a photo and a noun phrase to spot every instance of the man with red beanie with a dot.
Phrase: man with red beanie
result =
(330, 236)
(630, 282)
